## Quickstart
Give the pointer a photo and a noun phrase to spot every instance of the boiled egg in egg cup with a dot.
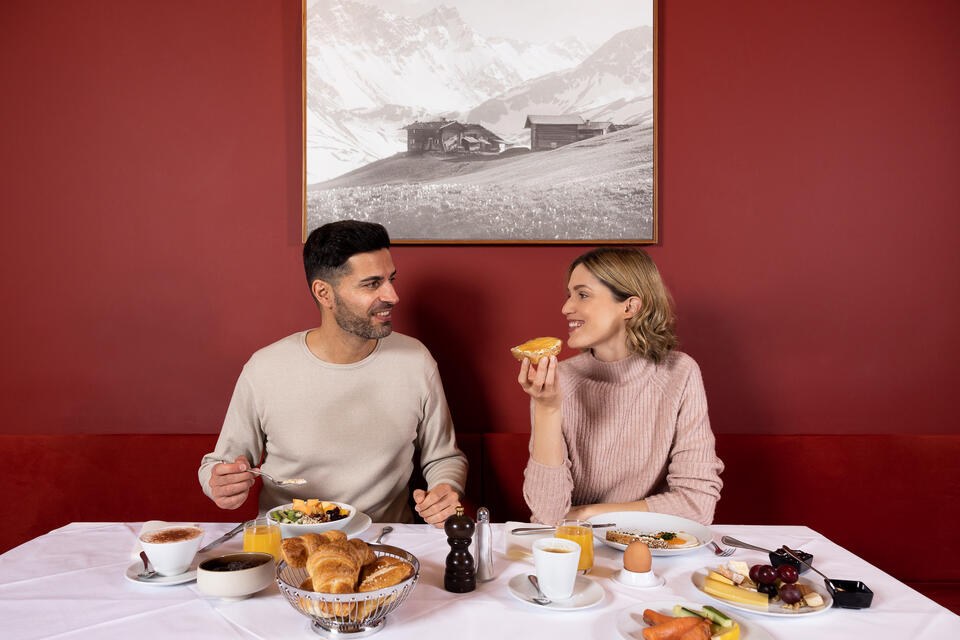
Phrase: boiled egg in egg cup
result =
(638, 567)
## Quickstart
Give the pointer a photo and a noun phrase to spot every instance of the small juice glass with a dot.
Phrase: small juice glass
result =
(581, 533)
(262, 534)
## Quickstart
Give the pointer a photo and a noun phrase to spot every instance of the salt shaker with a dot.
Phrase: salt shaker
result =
(484, 546)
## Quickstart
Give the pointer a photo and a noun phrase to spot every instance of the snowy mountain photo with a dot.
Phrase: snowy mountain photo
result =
(436, 90)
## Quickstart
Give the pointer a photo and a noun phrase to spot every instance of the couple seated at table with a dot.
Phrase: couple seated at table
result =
(347, 406)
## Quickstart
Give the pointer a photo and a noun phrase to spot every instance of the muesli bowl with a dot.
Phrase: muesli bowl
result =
(353, 615)
(292, 530)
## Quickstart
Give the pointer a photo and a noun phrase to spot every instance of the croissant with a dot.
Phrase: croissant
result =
(334, 568)
(536, 349)
(296, 550)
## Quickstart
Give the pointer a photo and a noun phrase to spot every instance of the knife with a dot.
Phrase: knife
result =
(528, 531)
(229, 534)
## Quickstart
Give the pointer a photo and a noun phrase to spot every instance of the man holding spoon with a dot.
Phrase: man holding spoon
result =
(346, 405)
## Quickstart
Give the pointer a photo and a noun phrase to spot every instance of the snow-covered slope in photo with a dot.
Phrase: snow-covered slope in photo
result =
(614, 84)
(370, 72)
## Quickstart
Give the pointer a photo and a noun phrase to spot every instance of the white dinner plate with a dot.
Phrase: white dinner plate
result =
(630, 622)
(360, 523)
(586, 593)
(647, 522)
(774, 608)
(161, 581)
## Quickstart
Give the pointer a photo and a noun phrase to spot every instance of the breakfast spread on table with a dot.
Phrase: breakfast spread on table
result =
(537, 348)
(348, 586)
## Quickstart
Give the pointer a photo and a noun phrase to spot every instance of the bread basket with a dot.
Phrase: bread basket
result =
(353, 615)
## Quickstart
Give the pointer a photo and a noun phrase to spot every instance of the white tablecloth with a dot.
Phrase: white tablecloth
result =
(70, 583)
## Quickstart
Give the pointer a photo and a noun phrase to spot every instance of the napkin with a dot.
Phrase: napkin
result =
(153, 525)
(521, 547)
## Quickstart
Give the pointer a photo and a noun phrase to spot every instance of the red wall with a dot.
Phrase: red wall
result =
(149, 185)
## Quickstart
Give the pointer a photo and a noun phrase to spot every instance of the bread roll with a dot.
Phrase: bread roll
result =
(537, 348)
(296, 550)
(384, 572)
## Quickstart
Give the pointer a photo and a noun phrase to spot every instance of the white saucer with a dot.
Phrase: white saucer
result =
(658, 582)
(161, 581)
(586, 593)
(360, 523)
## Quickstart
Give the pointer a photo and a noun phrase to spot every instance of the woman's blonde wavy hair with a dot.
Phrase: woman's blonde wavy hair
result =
(631, 272)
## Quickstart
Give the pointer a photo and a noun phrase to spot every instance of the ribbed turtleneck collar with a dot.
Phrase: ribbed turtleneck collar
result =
(630, 368)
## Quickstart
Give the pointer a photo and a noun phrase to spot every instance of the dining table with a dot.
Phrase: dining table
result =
(73, 582)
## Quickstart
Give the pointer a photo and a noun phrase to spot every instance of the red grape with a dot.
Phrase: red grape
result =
(766, 574)
(790, 594)
(753, 572)
(788, 573)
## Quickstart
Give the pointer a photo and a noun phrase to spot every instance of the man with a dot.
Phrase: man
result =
(344, 406)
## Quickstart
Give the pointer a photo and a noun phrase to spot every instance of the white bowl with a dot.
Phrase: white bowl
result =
(213, 579)
(293, 530)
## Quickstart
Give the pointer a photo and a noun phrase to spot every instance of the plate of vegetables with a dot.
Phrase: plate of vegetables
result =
(673, 619)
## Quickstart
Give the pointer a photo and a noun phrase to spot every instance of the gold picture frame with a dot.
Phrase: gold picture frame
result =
(581, 177)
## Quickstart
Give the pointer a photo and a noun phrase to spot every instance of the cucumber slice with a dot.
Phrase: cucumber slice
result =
(683, 612)
(716, 616)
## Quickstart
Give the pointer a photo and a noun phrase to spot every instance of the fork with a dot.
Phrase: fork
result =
(719, 551)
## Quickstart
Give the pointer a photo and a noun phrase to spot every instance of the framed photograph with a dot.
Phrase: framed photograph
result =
(495, 122)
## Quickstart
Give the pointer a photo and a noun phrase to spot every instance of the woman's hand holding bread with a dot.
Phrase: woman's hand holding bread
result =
(542, 383)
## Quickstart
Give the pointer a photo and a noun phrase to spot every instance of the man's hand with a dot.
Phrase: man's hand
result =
(436, 505)
(230, 483)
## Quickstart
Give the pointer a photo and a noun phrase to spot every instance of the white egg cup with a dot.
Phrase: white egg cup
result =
(645, 580)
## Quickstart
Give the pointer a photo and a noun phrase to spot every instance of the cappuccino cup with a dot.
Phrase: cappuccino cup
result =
(171, 550)
(555, 561)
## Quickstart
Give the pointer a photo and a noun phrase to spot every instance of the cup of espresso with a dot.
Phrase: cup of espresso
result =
(555, 561)
(171, 550)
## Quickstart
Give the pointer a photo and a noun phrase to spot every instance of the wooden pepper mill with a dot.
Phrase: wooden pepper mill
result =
(459, 574)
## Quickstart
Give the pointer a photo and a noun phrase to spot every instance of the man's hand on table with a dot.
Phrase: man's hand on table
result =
(230, 483)
(437, 504)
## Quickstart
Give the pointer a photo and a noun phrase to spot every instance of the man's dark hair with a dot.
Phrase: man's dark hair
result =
(328, 248)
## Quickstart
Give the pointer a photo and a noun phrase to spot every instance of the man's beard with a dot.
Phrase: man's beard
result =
(360, 324)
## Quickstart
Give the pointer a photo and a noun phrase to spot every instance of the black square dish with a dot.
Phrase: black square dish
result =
(849, 594)
(780, 556)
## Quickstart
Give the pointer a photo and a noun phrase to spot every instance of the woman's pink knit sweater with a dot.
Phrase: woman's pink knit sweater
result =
(632, 430)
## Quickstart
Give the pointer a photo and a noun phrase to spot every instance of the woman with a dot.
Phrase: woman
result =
(623, 426)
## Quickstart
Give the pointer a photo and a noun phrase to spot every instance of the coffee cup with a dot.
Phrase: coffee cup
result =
(555, 561)
(171, 550)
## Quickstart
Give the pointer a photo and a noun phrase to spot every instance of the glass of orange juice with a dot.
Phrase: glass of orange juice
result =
(581, 533)
(262, 534)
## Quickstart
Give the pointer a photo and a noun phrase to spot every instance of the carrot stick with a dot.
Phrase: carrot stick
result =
(652, 617)
(672, 629)
(701, 632)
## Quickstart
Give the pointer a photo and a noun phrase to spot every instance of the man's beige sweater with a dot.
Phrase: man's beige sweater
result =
(351, 430)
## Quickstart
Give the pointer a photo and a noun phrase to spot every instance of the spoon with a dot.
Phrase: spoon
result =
(539, 598)
(147, 572)
(387, 529)
(283, 483)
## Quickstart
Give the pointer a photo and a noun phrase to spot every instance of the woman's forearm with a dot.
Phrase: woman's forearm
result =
(587, 511)
(547, 438)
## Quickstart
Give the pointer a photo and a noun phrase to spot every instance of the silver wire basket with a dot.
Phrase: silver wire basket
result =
(347, 615)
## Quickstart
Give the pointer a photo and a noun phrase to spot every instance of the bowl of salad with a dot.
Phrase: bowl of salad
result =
(311, 516)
